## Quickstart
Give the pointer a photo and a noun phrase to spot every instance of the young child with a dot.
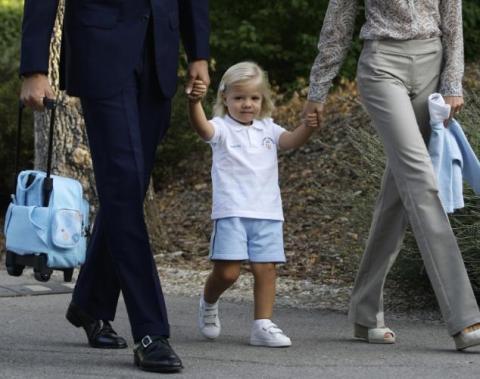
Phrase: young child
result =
(247, 208)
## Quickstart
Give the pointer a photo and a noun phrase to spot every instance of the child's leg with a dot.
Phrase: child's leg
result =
(223, 275)
(264, 331)
(265, 276)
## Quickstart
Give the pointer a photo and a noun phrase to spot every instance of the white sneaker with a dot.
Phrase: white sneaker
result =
(269, 334)
(208, 321)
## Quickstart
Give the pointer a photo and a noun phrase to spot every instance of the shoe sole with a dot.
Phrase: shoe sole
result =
(108, 347)
(156, 369)
(460, 347)
(266, 344)
(374, 341)
(361, 333)
(75, 321)
(209, 338)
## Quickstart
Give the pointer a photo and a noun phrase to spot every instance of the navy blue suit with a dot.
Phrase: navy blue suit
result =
(120, 57)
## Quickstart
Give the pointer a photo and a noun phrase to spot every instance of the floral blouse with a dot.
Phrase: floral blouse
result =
(389, 19)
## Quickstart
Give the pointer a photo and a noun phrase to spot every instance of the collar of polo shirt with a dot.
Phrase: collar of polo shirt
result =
(257, 124)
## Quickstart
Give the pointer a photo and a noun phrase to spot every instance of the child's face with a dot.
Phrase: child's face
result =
(244, 102)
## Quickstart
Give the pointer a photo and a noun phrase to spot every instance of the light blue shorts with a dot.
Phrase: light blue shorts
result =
(240, 238)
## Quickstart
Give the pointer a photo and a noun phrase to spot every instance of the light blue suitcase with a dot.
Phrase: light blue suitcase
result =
(46, 224)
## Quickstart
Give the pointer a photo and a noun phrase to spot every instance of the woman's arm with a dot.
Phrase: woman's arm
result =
(452, 41)
(333, 45)
(453, 64)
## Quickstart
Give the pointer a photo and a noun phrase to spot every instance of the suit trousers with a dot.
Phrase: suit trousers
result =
(124, 131)
(395, 79)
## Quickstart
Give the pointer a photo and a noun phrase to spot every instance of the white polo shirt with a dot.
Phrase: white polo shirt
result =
(245, 169)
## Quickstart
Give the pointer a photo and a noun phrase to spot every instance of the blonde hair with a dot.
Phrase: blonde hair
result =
(242, 73)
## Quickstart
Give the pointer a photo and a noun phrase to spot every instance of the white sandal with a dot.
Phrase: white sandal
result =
(374, 335)
(464, 340)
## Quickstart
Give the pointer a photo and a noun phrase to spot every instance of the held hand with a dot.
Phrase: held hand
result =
(198, 92)
(197, 70)
(311, 109)
(456, 104)
(311, 121)
(34, 88)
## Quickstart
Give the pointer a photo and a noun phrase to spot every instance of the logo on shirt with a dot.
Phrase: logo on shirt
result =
(268, 143)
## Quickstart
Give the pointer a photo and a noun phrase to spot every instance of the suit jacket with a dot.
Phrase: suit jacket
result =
(453, 158)
(103, 40)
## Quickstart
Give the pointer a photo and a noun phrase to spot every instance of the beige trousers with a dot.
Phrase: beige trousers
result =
(395, 79)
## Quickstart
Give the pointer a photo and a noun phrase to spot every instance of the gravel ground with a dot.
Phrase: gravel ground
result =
(290, 292)
(296, 293)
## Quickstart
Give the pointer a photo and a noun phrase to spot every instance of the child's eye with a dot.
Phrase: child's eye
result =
(256, 98)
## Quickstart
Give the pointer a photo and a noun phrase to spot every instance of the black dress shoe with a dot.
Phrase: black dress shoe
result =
(100, 333)
(154, 353)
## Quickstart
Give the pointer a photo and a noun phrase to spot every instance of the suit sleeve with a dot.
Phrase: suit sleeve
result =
(195, 28)
(37, 28)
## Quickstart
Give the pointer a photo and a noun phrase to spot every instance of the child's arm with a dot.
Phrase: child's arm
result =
(196, 113)
(296, 138)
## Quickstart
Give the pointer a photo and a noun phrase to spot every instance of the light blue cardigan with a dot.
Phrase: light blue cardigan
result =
(452, 156)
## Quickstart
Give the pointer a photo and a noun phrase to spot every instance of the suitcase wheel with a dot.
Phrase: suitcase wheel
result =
(68, 274)
(16, 270)
(13, 268)
(42, 276)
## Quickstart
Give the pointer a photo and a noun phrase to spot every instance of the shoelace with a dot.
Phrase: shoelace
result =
(210, 316)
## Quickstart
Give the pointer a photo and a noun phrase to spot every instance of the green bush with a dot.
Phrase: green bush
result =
(471, 29)
(281, 38)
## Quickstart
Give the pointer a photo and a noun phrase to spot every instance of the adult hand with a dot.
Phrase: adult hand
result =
(311, 120)
(197, 70)
(313, 107)
(456, 104)
(34, 88)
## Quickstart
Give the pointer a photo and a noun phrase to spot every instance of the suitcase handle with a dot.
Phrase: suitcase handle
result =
(50, 104)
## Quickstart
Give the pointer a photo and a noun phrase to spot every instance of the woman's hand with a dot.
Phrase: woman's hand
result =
(456, 104)
(313, 108)
(311, 120)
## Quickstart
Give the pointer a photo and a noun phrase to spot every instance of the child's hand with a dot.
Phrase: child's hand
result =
(198, 92)
(311, 120)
